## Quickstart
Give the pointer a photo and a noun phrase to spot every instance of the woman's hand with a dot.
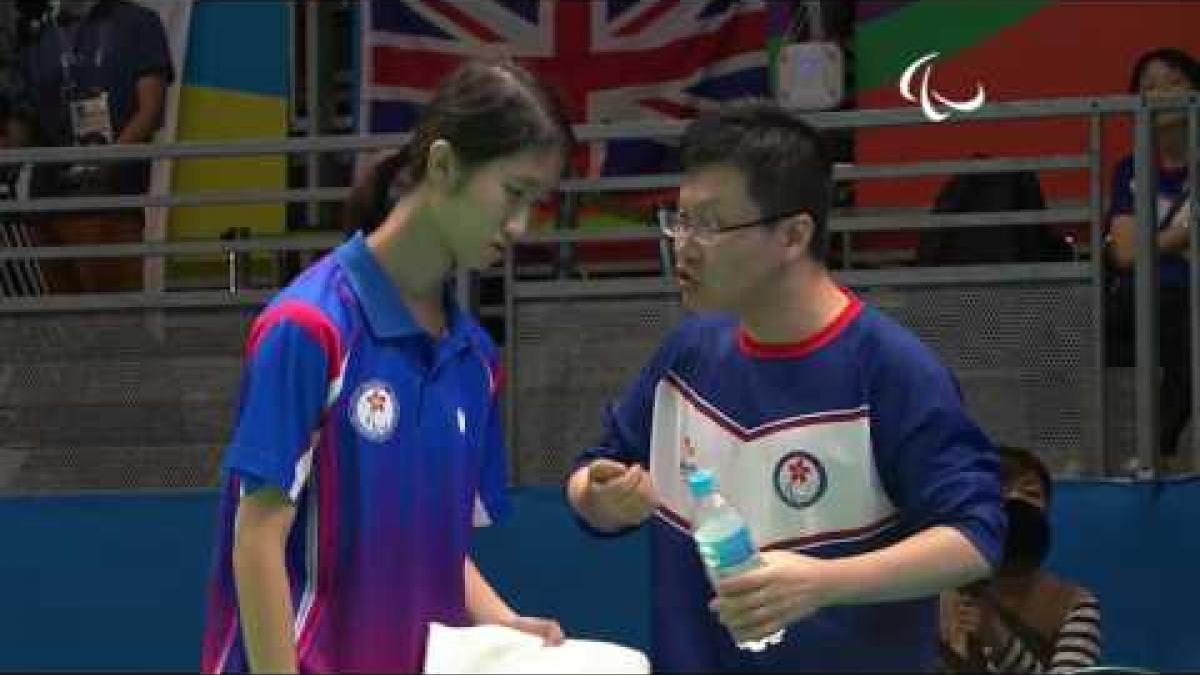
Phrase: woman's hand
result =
(547, 629)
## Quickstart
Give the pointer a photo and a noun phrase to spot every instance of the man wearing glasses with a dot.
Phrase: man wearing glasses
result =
(833, 430)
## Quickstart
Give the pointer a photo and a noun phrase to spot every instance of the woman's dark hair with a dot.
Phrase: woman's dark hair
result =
(1175, 58)
(1027, 541)
(784, 160)
(1016, 461)
(486, 110)
(371, 197)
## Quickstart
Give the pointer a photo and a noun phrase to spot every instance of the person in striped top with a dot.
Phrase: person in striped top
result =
(1024, 619)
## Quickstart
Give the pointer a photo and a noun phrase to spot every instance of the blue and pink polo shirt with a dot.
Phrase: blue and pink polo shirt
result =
(389, 444)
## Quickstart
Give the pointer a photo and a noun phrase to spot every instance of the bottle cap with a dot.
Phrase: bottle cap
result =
(701, 482)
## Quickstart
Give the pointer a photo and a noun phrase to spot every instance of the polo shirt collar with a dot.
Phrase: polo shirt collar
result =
(386, 313)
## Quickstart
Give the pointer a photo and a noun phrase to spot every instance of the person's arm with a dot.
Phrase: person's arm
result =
(611, 496)
(148, 59)
(150, 95)
(1122, 238)
(1122, 227)
(791, 586)
(292, 357)
(956, 620)
(1077, 644)
(610, 488)
(924, 564)
(1012, 655)
(264, 519)
(485, 606)
(942, 474)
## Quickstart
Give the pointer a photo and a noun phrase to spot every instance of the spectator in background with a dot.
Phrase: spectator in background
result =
(996, 244)
(16, 129)
(18, 277)
(1024, 619)
(96, 72)
(1158, 73)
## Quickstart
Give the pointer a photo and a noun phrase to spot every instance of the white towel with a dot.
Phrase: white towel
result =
(499, 649)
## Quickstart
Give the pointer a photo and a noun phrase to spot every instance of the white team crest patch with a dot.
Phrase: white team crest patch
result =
(800, 479)
(374, 411)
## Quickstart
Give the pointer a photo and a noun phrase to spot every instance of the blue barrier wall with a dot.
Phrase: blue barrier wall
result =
(1135, 545)
(115, 581)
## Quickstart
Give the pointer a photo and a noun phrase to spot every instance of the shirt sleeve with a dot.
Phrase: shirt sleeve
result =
(492, 503)
(627, 421)
(292, 358)
(1121, 195)
(148, 50)
(1077, 645)
(937, 466)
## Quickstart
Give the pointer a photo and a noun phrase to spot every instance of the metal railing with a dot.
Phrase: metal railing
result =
(1094, 110)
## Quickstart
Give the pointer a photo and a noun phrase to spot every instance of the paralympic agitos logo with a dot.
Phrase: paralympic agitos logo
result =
(930, 99)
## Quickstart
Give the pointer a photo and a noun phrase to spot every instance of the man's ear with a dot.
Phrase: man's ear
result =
(441, 166)
(798, 231)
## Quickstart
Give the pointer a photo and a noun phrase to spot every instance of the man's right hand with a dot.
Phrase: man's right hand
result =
(612, 496)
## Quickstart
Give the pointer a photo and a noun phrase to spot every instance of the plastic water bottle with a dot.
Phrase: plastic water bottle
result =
(724, 540)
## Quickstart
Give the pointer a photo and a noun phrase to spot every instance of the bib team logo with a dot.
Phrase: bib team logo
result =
(374, 411)
(800, 479)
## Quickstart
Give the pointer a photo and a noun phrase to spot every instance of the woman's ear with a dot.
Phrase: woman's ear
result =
(441, 166)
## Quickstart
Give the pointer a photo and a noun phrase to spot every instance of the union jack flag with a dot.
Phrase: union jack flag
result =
(610, 60)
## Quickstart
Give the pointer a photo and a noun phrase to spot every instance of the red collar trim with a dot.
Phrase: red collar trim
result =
(791, 350)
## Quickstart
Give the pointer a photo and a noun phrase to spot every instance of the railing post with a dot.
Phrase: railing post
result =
(237, 262)
(1099, 265)
(1193, 188)
(312, 102)
(1145, 292)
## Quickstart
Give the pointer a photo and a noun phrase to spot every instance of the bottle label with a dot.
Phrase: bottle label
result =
(723, 555)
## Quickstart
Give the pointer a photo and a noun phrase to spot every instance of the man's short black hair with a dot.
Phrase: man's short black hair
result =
(785, 161)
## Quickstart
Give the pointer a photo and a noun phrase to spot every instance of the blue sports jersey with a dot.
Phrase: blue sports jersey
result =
(1173, 268)
(845, 443)
(389, 444)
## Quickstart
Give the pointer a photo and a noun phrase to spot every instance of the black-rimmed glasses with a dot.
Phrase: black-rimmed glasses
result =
(679, 225)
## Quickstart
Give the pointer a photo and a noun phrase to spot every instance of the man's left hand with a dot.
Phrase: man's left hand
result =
(786, 588)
